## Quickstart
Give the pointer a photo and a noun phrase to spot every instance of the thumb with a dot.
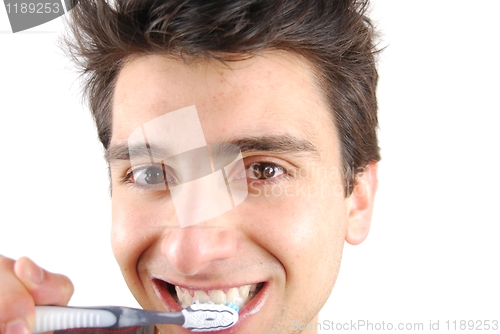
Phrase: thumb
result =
(46, 288)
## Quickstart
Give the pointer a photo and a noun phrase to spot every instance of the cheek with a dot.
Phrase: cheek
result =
(315, 233)
(124, 231)
(298, 230)
(307, 238)
(137, 225)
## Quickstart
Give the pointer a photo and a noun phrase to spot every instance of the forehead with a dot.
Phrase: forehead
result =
(272, 94)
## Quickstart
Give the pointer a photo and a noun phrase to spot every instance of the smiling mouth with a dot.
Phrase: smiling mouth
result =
(238, 295)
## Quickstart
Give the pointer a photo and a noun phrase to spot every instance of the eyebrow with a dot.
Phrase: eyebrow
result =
(275, 144)
(279, 144)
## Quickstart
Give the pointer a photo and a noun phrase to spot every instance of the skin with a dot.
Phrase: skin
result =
(24, 285)
(293, 242)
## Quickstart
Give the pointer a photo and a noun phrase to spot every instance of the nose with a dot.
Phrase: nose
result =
(191, 249)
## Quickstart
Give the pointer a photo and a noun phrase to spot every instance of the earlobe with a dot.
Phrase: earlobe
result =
(361, 205)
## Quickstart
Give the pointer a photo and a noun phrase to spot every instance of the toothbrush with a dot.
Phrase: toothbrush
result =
(197, 317)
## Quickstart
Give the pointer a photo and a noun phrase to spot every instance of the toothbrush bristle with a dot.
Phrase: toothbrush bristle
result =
(233, 306)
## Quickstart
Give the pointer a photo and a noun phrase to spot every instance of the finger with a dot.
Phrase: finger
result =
(17, 308)
(46, 288)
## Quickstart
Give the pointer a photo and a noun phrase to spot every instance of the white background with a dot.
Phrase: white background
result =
(433, 249)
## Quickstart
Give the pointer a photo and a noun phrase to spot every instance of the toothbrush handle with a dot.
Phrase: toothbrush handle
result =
(51, 318)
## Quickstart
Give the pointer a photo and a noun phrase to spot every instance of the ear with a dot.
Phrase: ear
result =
(361, 205)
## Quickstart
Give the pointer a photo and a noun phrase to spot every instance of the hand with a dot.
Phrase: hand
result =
(23, 285)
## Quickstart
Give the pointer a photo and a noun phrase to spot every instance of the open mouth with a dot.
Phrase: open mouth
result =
(184, 296)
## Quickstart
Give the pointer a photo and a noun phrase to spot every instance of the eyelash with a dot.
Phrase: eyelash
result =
(285, 175)
(129, 177)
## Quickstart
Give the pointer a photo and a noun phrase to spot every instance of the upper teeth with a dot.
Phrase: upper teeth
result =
(240, 296)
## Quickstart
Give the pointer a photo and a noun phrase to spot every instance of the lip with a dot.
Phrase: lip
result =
(252, 307)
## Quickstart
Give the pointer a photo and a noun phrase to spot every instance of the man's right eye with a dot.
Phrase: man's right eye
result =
(152, 176)
(149, 175)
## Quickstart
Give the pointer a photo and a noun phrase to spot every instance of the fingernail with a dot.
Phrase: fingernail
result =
(17, 326)
(35, 273)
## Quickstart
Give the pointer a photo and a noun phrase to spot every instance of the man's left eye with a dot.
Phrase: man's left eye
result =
(264, 171)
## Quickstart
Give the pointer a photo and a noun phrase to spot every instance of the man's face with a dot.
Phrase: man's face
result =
(284, 240)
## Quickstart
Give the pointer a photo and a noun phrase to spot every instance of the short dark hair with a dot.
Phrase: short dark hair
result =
(335, 36)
